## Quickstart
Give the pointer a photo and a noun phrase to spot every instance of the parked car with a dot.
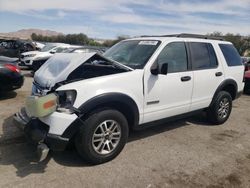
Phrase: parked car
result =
(247, 82)
(13, 48)
(94, 100)
(39, 61)
(246, 62)
(9, 60)
(38, 45)
(10, 75)
(47, 51)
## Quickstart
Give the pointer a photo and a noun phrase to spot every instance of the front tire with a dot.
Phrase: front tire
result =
(220, 110)
(102, 137)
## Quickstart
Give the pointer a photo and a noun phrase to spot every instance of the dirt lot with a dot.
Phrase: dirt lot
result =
(186, 153)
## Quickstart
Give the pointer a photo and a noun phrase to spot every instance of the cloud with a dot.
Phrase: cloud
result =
(81, 5)
(139, 17)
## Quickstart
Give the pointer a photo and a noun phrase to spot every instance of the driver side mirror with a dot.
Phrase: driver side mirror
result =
(155, 69)
(164, 68)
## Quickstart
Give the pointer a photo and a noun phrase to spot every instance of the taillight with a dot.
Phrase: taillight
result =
(12, 68)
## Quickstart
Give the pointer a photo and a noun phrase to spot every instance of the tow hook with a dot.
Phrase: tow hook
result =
(42, 151)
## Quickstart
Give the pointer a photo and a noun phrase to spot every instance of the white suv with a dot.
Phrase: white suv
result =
(27, 58)
(94, 100)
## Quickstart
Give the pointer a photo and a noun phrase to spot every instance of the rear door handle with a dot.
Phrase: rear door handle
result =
(218, 74)
(185, 78)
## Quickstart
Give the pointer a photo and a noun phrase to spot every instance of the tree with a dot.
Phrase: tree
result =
(241, 43)
(109, 43)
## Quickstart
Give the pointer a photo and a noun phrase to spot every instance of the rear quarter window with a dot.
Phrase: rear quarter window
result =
(231, 55)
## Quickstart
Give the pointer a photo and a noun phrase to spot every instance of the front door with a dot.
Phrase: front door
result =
(168, 94)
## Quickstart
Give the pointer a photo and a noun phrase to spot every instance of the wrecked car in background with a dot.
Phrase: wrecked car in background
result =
(39, 61)
(47, 51)
(14, 48)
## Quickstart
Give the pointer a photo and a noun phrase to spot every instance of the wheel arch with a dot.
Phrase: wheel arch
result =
(228, 85)
(118, 101)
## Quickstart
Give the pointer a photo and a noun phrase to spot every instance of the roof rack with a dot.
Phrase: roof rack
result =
(187, 35)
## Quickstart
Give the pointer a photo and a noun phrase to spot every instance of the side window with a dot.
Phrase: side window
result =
(59, 49)
(203, 55)
(175, 55)
(231, 55)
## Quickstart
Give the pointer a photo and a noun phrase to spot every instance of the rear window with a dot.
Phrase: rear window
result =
(231, 55)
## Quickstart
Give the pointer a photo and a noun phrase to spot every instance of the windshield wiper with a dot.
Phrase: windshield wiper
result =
(117, 64)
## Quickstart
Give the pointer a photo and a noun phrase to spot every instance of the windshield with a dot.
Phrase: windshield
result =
(47, 48)
(132, 53)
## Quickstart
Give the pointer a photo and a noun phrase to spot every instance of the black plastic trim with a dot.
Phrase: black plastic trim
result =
(239, 94)
(224, 84)
(187, 35)
(56, 142)
(72, 128)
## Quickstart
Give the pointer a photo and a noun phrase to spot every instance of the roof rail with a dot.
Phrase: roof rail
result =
(187, 35)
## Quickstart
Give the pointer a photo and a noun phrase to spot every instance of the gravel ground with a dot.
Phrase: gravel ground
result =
(184, 153)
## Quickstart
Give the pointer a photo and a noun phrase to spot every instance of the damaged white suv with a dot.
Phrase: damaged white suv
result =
(94, 100)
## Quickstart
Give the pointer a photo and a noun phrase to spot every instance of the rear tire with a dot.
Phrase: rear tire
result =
(221, 108)
(102, 136)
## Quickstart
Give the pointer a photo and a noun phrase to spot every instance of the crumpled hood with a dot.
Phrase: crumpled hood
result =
(58, 68)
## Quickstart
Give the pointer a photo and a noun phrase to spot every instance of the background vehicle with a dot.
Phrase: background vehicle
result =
(13, 48)
(47, 51)
(94, 100)
(247, 82)
(38, 45)
(10, 60)
(39, 61)
(10, 76)
(246, 62)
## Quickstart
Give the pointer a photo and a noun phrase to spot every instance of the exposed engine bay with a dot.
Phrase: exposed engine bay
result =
(65, 68)
(94, 67)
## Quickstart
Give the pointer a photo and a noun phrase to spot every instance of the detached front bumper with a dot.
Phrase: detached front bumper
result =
(37, 132)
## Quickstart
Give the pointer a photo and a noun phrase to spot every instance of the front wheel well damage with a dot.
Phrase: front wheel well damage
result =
(115, 101)
(128, 111)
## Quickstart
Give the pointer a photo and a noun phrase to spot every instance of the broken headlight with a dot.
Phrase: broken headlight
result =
(66, 100)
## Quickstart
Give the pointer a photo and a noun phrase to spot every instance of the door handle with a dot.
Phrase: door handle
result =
(185, 78)
(218, 74)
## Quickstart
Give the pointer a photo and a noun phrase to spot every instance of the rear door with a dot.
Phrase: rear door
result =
(207, 73)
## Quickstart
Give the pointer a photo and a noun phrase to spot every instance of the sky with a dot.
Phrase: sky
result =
(111, 18)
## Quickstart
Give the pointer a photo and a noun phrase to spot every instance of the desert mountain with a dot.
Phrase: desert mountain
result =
(26, 33)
